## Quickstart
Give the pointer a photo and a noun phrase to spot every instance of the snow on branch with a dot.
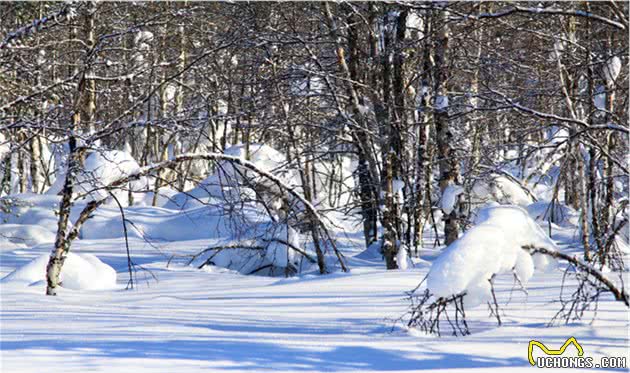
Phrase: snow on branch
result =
(515, 9)
(37, 25)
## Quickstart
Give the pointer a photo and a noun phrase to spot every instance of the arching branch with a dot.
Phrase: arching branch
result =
(312, 213)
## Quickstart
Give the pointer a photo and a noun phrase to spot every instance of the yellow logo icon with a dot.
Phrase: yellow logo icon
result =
(547, 351)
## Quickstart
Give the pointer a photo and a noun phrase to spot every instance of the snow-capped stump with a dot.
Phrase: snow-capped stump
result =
(79, 272)
(449, 197)
(493, 246)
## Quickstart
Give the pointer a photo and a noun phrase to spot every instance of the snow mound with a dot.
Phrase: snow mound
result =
(492, 246)
(104, 167)
(235, 183)
(79, 272)
(556, 213)
(27, 234)
(164, 196)
(500, 189)
(264, 157)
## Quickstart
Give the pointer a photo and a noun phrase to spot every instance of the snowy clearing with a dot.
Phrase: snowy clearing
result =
(245, 186)
(218, 320)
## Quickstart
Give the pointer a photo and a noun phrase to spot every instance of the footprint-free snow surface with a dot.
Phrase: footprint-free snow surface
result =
(216, 320)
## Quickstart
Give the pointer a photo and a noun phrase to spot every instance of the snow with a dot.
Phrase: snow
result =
(500, 189)
(219, 321)
(143, 37)
(27, 234)
(492, 246)
(556, 213)
(228, 181)
(402, 258)
(101, 168)
(79, 272)
(215, 319)
(449, 197)
(31, 210)
(441, 103)
(164, 196)
(263, 156)
(5, 146)
(599, 98)
(611, 70)
(397, 188)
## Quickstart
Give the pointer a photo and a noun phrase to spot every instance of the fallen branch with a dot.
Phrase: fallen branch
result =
(619, 294)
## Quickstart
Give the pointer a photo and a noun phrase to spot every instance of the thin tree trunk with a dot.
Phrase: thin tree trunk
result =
(449, 167)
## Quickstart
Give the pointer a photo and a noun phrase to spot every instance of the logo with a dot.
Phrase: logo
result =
(547, 351)
(554, 360)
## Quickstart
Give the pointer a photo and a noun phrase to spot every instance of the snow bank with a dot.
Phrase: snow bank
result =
(491, 247)
(79, 272)
(27, 234)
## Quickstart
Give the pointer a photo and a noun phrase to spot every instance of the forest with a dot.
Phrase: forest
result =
(400, 182)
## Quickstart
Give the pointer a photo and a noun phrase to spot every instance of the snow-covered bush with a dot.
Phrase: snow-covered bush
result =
(493, 246)
(277, 252)
(501, 241)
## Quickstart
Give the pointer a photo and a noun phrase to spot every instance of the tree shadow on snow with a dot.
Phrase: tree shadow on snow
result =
(263, 355)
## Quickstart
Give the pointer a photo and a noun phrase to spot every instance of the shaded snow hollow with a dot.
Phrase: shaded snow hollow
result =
(492, 246)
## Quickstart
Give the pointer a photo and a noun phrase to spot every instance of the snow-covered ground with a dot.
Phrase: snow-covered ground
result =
(217, 320)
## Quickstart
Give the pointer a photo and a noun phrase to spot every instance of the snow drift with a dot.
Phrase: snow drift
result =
(27, 234)
(79, 272)
(492, 246)
(32, 209)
